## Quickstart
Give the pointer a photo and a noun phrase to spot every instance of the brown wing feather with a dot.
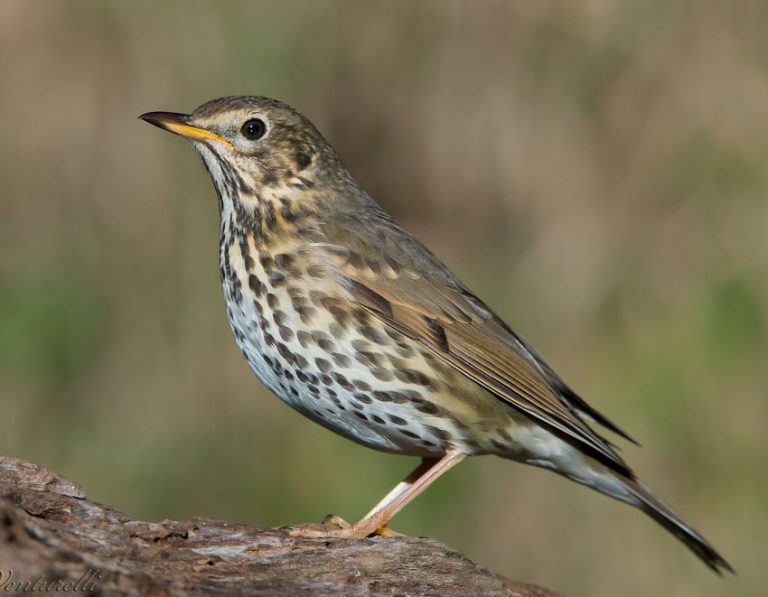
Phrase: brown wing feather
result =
(409, 289)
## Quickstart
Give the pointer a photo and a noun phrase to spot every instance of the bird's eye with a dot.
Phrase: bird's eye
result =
(254, 129)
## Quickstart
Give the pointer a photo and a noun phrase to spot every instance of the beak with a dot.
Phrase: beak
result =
(177, 124)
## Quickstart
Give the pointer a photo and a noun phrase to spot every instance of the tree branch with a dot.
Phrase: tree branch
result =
(50, 532)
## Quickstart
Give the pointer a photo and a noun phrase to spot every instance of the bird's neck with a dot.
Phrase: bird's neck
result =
(270, 216)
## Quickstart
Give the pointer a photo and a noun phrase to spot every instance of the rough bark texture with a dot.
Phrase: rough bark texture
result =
(49, 529)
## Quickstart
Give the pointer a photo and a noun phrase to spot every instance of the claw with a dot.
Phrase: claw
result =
(335, 527)
(336, 521)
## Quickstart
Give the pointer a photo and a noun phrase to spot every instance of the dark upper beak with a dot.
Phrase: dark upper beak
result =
(178, 124)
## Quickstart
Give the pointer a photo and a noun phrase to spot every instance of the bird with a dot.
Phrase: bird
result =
(354, 323)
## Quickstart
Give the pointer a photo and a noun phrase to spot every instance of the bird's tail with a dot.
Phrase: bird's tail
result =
(557, 455)
(632, 491)
(654, 507)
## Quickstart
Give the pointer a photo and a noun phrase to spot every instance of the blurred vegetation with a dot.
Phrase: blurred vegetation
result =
(597, 170)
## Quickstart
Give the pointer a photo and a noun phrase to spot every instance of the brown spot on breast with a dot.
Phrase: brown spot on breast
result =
(361, 385)
(426, 407)
(340, 359)
(279, 317)
(285, 352)
(266, 261)
(404, 349)
(245, 251)
(276, 279)
(304, 338)
(439, 433)
(284, 260)
(382, 374)
(298, 301)
(343, 381)
(373, 334)
(382, 396)
(323, 340)
(394, 334)
(364, 357)
(361, 316)
(255, 285)
(330, 302)
(412, 376)
(339, 315)
(269, 215)
(306, 314)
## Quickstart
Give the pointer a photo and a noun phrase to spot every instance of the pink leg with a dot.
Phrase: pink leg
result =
(378, 518)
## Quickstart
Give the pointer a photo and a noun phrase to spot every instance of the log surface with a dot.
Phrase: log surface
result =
(50, 531)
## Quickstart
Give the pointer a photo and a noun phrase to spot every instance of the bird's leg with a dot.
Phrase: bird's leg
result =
(413, 476)
(376, 520)
(312, 530)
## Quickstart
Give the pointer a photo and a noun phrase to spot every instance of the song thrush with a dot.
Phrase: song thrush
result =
(351, 321)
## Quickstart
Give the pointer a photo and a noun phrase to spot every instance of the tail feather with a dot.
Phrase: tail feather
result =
(654, 507)
(551, 452)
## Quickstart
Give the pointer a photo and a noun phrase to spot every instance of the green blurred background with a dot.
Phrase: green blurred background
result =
(596, 170)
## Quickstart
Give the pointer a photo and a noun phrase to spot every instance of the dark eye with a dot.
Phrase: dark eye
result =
(254, 129)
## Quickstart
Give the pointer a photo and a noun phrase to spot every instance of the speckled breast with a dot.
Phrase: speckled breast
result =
(337, 364)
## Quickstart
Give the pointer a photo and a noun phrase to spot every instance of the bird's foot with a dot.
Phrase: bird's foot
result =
(335, 527)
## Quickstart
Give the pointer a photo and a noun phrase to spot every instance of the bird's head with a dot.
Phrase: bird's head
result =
(257, 149)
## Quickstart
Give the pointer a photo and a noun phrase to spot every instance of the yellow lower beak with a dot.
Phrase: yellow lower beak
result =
(177, 124)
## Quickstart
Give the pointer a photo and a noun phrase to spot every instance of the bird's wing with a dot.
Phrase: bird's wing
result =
(403, 284)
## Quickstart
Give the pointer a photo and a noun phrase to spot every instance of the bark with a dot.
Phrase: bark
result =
(51, 533)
